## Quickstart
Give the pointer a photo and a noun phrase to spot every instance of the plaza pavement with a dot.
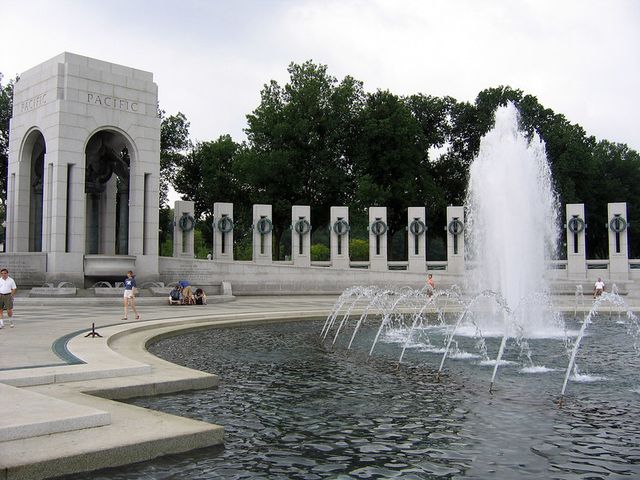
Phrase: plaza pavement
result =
(58, 386)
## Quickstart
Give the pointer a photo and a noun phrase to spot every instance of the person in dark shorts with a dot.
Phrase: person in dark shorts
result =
(7, 292)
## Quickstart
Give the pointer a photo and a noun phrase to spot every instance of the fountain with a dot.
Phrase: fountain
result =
(512, 230)
(512, 219)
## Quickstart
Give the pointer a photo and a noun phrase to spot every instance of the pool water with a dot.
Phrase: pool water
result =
(293, 408)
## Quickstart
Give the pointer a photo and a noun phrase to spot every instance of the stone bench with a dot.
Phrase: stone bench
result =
(53, 292)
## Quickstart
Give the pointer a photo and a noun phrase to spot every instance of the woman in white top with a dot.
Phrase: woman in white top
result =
(598, 288)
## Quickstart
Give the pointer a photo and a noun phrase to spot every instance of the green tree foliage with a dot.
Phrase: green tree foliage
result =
(616, 179)
(200, 246)
(165, 236)
(359, 250)
(389, 159)
(434, 116)
(320, 252)
(297, 142)
(174, 145)
(6, 109)
(205, 175)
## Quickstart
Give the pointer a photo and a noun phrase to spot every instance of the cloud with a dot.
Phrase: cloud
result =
(210, 59)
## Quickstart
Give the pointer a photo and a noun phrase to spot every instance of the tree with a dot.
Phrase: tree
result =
(432, 114)
(6, 111)
(297, 142)
(616, 179)
(390, 157)
(165, 236)
(174, 145)
(206, 175)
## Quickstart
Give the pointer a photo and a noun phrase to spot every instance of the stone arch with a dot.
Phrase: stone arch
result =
(109, 157)
(34, 149)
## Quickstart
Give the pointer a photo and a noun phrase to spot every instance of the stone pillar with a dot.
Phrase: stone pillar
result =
(123, 215)
(19, 186)
(223, 231)
(72, 106)
(262, 234)
(108, 225)
(47, 206)
(455, 240)
(378, 238)
(618, 246)
(339, 237)
(576, 241)
(301, 235)
(417, 239)
(183, 233)
(67, 225)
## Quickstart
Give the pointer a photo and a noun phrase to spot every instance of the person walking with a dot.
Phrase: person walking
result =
(130, 288)
(7, 292)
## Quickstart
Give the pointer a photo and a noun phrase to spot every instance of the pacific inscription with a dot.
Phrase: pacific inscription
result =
(33, 102)
(116, 103)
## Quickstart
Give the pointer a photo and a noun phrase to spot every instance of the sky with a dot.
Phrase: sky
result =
(210, 59)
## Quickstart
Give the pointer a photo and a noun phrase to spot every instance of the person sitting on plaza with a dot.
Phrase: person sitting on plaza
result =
(175, 296)
(598, 288)
(201, 298)
(187, 296)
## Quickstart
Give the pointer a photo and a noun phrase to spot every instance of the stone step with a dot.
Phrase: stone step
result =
(27, 414)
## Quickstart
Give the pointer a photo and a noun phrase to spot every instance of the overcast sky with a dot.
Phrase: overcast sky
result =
(210, 59)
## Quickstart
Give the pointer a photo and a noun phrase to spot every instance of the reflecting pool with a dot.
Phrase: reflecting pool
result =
(293, 408)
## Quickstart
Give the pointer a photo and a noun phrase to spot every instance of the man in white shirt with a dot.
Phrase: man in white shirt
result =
(7, 292)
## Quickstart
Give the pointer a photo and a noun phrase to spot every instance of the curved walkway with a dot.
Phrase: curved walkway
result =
(57, 385)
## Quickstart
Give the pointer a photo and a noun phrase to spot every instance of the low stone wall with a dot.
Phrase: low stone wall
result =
(278, 278)
(27, 269)
(53, 292)
(247, 278)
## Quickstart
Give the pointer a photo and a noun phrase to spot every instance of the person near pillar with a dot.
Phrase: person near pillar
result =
(7, 292)
(130, 288)
(598, 288)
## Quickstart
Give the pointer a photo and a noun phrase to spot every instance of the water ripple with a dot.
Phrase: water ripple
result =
(293, 410)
